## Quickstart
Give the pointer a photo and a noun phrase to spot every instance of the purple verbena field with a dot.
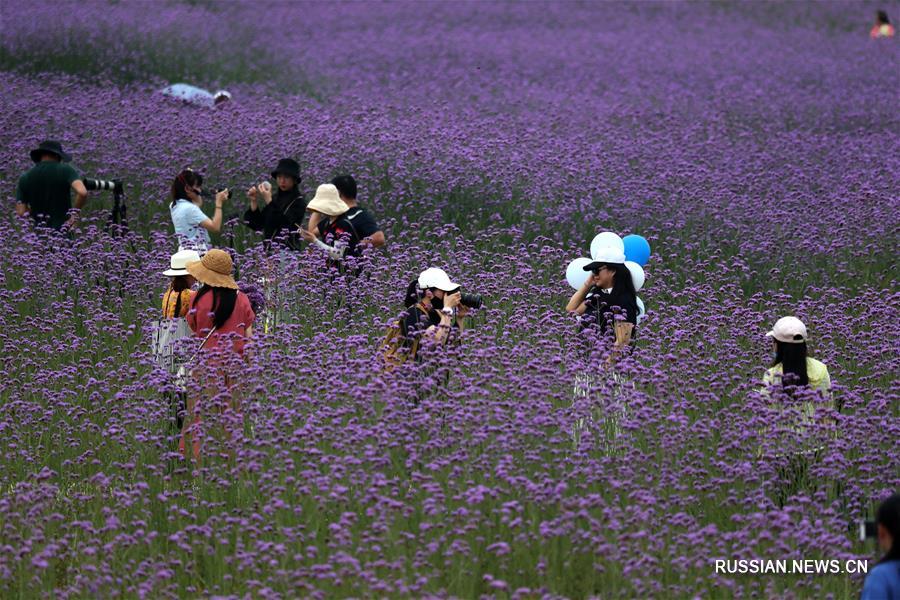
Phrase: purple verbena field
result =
(755, 145)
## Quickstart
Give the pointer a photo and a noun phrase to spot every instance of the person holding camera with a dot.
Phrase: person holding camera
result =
(192, 226)
(282, 213)
(45, 190)
(883, 582)
(607, 299)
(434, 310)
(363, 221)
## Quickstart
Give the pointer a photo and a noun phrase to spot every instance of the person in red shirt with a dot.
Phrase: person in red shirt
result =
(222, 317)
(882, 27)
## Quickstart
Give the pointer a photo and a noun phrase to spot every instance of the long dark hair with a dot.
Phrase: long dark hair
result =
(178, 285)
(883, 18)
(224, 300)
(413, 294)
(183, 180)
(888, 515)
(792, 358)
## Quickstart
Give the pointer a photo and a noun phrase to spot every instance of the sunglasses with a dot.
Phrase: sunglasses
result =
(597, 270)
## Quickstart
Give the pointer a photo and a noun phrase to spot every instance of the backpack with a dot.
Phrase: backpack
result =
(394, 350)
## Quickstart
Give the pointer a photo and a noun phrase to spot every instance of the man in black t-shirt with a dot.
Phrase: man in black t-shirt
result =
(362, 220)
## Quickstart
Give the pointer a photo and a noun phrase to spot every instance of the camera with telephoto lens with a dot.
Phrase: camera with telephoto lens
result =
(114, 185)
(473, 301)
(867, 530)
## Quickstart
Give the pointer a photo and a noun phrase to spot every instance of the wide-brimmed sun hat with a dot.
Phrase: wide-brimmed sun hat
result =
(789, 330)
(179, 261)
(436, 278)
(214, 269)
(289, 167)
(327, 201)
(53, 147)
(608, 256)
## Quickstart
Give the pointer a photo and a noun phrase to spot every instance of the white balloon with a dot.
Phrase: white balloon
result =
(637, 274)
(575, 273)
(607, 239)
(641, 310)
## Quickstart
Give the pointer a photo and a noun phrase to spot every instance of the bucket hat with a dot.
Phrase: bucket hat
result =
(214, 269)
(327, 201)
(53, 147)
(789, 330)
(289, 167)
(178, 261)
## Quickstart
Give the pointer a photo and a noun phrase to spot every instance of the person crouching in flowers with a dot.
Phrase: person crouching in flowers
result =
(221, 315)
(176, 300)
(607, 300)
(792, 366)
(335, 234)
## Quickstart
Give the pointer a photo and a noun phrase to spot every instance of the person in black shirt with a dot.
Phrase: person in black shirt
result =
(283, 211)
(607, 299)
(433, 310)
(362, 220)
(333, 233)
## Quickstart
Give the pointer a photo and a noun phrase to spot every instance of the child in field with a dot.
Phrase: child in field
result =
(176, 300)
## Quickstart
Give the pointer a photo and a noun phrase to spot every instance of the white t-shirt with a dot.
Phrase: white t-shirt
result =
(186, 217)
(190, 94)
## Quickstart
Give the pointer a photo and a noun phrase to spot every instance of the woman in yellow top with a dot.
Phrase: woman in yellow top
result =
(792, 366)
(176, 300)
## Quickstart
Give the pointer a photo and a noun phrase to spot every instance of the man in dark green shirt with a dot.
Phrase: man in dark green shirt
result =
(44, 191)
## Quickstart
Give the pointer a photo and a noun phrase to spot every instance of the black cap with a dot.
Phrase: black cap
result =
(289, 167)
(51, 147)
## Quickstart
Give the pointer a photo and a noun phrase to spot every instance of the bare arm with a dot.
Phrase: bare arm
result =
(376, 240)
(21, 209)
(576, 302)
(80, 193)
(214, 225)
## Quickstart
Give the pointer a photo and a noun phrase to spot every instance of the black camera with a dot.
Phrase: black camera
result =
(471, 300)
(211, 194)
(867, 530)
(113, 185)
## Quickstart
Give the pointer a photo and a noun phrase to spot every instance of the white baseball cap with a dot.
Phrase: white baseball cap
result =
(789, 330)
(179, 261)
(606, 255)
(436, 278)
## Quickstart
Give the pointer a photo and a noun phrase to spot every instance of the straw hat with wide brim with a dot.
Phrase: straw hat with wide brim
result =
(327, 201)
(214, 269)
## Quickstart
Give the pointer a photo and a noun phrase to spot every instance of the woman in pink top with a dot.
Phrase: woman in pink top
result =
(221, 315)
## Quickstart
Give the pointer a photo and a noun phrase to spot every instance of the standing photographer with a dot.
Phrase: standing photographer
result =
(192, 226)
(281, 216)
(45, 190)
(883, 582)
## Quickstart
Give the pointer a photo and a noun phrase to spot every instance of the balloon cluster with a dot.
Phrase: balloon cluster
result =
(637, 254)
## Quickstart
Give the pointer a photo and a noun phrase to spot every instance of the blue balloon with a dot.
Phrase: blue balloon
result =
(637, 249)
